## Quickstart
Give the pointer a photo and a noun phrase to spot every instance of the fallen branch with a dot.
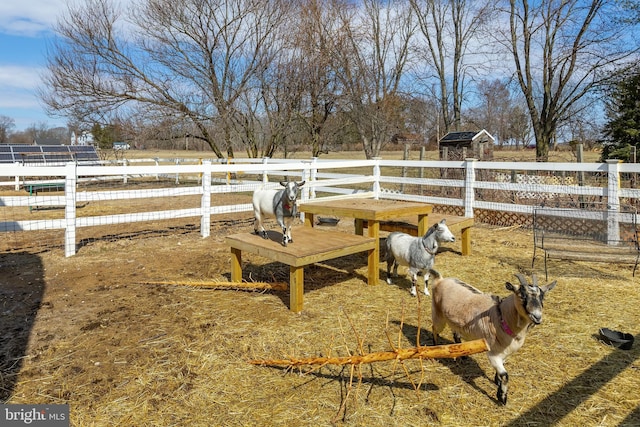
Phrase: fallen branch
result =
(278, 286)
(422, 352)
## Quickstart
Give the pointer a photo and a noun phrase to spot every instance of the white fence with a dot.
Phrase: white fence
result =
(196, 190)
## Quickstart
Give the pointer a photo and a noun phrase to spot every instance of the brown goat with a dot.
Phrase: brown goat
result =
(502, 322)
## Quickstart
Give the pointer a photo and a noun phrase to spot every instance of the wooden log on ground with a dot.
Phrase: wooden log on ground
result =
(424, 352)
(277, 286)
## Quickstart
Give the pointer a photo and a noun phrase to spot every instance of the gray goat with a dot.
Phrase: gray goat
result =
(417, 253)
(502, 322)
(280, 204)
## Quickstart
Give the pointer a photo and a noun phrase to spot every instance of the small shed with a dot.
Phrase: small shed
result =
(462, 145)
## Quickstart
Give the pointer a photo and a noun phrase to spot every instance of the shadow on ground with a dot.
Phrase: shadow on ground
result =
(21, 290)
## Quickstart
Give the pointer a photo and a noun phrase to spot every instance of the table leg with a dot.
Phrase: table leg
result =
(423, 224)
(236, 265)
(296, 288)
(308, 219)
(466, 241)
(374, 259)
(358, 223)
(373, 274)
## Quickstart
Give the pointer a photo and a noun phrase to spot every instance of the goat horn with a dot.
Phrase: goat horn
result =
(534, 279)
(522, 279)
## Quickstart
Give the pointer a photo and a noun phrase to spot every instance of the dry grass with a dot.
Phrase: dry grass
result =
(124, 353)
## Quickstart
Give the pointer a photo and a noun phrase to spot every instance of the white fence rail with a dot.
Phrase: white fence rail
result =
(468, 185)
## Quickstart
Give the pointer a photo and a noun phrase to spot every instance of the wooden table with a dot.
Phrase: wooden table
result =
(309, 246)
(371, 210)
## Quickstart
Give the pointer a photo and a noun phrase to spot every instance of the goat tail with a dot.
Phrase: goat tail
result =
(434, 274)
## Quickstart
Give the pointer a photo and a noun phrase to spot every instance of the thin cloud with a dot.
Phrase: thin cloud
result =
(18, 77)
(29, 18)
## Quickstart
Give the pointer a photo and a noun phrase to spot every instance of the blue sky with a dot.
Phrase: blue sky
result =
(25, 28)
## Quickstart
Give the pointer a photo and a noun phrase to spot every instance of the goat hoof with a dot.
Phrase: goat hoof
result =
(502, 398)
(389, 281)
(426, 292)
(264, 235)
(414, 293)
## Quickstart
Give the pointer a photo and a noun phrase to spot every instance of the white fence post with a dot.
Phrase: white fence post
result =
(304, 196)
(70, 209)
(613, 200)
(17, 179)
(376, 178)
(125, 177)
(265, 176)
(469, 193)
(313, 177)
(205, 204)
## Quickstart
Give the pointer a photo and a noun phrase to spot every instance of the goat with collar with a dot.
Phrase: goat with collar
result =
(502, 322)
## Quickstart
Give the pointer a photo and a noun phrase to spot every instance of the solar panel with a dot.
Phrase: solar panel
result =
(85, 156)
(26, 149)
(81, 148)
(48, 154)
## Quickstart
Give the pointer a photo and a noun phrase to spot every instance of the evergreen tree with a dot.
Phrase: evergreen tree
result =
(623, 127)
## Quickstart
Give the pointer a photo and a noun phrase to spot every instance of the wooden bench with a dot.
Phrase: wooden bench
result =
(310, 246)
(457, 224)
(592, 234)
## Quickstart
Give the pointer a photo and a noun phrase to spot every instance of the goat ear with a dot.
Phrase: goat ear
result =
(300, 184)
(511, 287)
(548, 287)
(443, 221)
(283, 183)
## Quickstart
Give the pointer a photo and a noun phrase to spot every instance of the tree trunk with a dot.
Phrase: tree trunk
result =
(424, 352)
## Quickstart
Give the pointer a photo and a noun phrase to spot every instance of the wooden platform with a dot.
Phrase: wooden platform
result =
(457, 224)
(310, 245)
(373, 211)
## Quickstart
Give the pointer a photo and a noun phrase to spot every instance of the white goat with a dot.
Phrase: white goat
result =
(417, 253)
(280, 204)
(502, 322)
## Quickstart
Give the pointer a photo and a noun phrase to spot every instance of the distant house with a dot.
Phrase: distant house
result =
(461, 145)
(83, 138)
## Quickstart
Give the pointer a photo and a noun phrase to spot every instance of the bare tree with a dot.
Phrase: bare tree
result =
(519, 128)
(496, 111)
(310, 69)
(563, 51)
(6, 124)
(190, 59)
(449, 28)
(372, 55)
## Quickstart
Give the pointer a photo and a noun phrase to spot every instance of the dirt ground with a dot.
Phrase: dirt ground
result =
(90, 331)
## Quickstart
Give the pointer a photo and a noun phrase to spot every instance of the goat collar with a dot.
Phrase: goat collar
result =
(503, 323)
(505, 327)
(429, 250)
